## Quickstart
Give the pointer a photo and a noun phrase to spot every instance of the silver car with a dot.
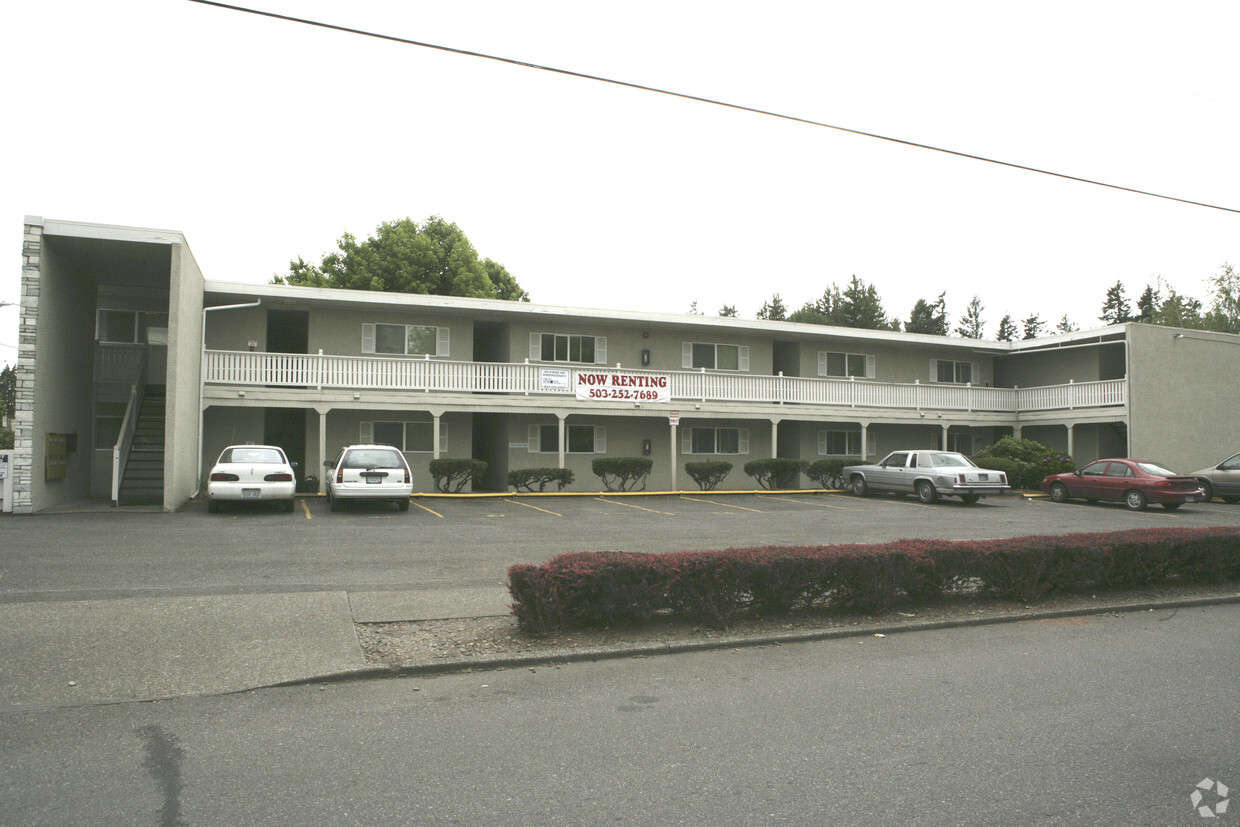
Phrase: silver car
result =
(1222, 480)
(368, 472)
(928, 474)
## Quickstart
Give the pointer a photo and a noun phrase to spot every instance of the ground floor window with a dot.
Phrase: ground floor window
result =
(716, 441)
(839, 443)
(960, 443)
(410, 437)
(579, 439)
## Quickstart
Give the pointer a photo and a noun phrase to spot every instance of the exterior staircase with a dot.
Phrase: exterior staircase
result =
(143, 483)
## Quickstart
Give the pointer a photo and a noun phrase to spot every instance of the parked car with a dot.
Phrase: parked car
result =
(368, 472)
(1222, 481)
(251, 473)
(928, 474)
(1134, 482)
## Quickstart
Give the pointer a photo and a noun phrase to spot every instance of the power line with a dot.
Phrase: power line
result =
(711, 101)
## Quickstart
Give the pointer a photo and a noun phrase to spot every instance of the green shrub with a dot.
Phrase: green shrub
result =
(829, 472)
(777, 473)
(708, 474)
(6, 439)
(526, 478)
(452, 475)
(1035, 461)
(622, 473)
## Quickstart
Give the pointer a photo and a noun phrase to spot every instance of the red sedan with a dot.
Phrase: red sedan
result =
(1134, 482)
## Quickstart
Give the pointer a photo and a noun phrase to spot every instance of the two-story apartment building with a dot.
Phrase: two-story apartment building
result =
(134, 371)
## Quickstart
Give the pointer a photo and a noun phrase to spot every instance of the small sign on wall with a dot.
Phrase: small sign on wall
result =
(56, 460)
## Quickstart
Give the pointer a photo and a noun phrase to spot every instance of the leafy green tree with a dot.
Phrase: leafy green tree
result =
(432, 258)
(1224, 301)
(859, 306)
(1065, 325)
(1033, 326)
(8, 391)
(1007, 328)
(773, 310)
(1178, 310)
(819, 311)
(1115, 308)
(1147, 305)
(972, 325)
(728, 311)
(927, 317)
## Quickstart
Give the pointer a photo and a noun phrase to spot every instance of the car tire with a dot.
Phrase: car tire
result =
(1059, 492)
(213, 506)
(926, 492)
(403, 505)
(332, 503)
(1172, 506)
(1135, 500)
(290, 506)
(859, 488)
(970, 499)
(1207, 491)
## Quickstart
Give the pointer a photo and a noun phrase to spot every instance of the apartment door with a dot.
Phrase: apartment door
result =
(286, 427)
(288, 331)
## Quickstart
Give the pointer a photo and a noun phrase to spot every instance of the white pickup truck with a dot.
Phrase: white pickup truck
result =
(928, 474)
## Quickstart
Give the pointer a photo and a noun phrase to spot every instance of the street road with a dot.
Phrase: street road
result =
(1099, 720)
(471, 543)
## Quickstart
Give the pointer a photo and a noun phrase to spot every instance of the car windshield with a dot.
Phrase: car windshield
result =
(373, 458)
(949, 460)
(1155, 470)
(257, 456)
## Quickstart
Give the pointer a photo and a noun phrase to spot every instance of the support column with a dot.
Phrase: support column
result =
(1016, 432)
(774, 438)
(1071, 433)
(322, 412)
(674, 452)
(864, 442)
(563, 431)
(943, 442)
(434, 435)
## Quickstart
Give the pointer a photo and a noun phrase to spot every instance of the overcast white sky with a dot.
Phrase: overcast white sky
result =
(263, 140)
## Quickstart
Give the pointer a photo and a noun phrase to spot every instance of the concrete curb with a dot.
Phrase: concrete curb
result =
(443, 666)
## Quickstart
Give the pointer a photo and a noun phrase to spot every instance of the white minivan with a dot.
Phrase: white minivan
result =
(368, 472)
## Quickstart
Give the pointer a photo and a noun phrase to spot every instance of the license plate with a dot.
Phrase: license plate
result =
(250, 493)
(374, 480)
(983, 477)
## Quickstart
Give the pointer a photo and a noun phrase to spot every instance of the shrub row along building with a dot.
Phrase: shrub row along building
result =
(134, 370)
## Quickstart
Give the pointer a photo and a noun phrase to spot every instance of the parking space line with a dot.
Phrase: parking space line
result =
(725, 505)
(306, 508)
(803, 502)
(630, 505)
(424, 508)
(536, 508)
(895, 502)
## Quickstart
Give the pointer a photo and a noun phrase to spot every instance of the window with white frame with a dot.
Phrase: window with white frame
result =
(131, 327)
(715, 356)
(406, 339)
(715, 441)
(843, 365)
(960, 443)
(411, 437)
(843, 443)
(568, 347)
(957, 373)
(579, 439)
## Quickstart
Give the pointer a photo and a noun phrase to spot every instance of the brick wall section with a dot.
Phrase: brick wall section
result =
(23, 417)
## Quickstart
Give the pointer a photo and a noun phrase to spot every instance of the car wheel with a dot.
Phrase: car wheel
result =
(1172, 506)
(213, 506)
(332, 502)
(290, 506)
(403, 505)
(1135, 500)
(859, 487)
(926, 492)
(1059, 492)
(970, 499)
(1207, 491)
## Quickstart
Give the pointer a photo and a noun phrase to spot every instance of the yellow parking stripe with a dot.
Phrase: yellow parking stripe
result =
(536, 508)
(424, 508)
(630, 505)
(306, 508)
(803, 502)
(725, 505)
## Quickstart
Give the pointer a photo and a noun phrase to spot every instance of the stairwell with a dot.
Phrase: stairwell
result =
(143, 483)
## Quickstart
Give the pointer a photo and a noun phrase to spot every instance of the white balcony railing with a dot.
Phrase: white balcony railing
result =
(320, 371)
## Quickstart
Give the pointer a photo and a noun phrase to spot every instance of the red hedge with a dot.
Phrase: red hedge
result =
(591, 589)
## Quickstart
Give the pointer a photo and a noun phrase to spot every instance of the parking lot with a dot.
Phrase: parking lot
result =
(469, 542)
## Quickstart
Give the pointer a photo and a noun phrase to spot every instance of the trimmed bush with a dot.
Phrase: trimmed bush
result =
(452, 475)
(718, 587)
(1034, 461)
(777, 473)
(829, 473)
(708, 474)
(622, 473)
(526, 478)
(6, 439)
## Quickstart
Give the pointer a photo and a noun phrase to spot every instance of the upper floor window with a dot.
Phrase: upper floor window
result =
(860, 365)
(131, 327)
(958, 373)
(568, 347)
(406, 339)
(715, 357)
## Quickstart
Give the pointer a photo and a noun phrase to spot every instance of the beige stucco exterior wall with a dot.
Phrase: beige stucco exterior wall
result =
(1056, 367)
(184, 377)
(1183, 394)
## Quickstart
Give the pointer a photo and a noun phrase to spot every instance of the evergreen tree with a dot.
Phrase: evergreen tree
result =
(1147, 305)
(8, 391)
(773, 310)
(972, 325)
(1225, 301)
(1007, 328)
(1033, 326)
(1115, 309)
(859, 306)
(728, 311)
(1065, 326)
(930, 318)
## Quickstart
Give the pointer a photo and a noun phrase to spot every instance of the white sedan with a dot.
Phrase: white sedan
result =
(251, 473)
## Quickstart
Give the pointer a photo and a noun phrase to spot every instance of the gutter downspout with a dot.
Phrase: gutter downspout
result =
(202, 373)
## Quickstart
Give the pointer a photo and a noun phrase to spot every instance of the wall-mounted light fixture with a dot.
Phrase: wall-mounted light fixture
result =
(646, 357)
